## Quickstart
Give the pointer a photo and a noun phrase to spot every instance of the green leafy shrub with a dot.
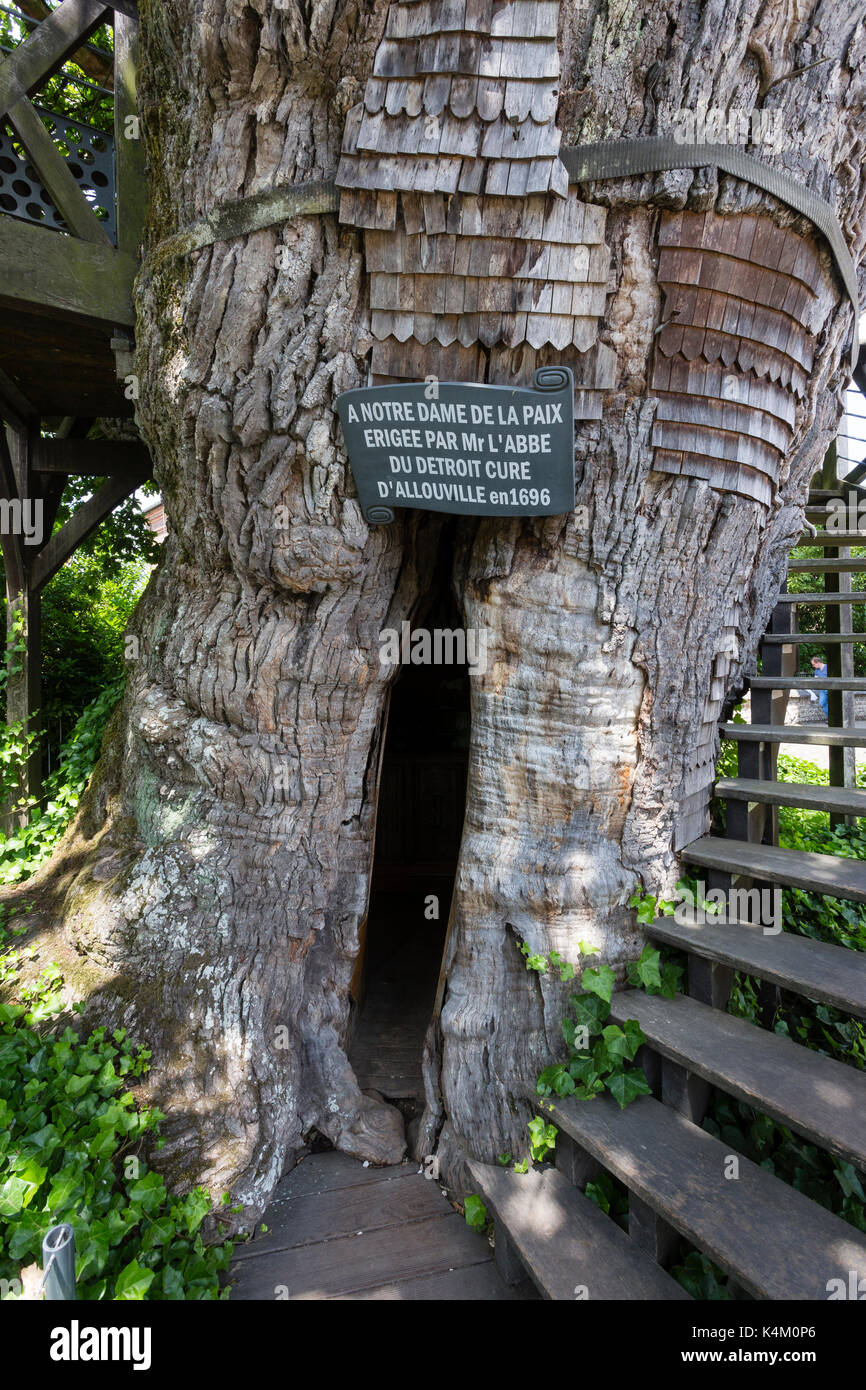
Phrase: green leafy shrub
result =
(22, 851)
(70, 1140)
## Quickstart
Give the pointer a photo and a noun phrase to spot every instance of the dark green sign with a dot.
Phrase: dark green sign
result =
(455, 447)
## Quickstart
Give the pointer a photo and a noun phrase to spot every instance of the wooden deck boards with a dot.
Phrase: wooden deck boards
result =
(338, 1230)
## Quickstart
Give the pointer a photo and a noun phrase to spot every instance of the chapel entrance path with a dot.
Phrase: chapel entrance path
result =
(338, 1230)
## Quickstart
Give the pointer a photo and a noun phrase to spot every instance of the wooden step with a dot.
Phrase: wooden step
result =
(839, 801)
(825, 596)
(805, 682)
(818, 639)
(853, 737)
(791, 868)
(826, 564)
(774, 1241)
(565, 1241)
(831, 539)
(822, 1099)
(821, 495)
(831, 974)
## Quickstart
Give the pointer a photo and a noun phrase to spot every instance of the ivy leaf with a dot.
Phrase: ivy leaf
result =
(475, 1212)
(590, 1010)
(600, 982)
(648, 968)
(626, 1086)
(133, 1282)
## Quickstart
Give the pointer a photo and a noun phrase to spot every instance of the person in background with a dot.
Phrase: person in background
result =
(820, 669)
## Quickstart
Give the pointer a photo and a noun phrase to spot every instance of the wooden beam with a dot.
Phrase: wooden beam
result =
(54, 173)
(88, 457)
(80, 525)
(40, 267)
(13, 549)
(14, 405)
(127, 7)
(47, 48)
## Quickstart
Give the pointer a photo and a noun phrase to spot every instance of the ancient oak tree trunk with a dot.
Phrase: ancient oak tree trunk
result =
(223, 855)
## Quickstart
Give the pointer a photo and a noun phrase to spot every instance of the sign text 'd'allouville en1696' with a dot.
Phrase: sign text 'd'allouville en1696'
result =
(458, 447)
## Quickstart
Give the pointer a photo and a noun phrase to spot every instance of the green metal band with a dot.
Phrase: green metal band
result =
(253, 214)
(616, 159)
(609, 159)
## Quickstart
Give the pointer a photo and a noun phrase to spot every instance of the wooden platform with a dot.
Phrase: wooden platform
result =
(338, 1230)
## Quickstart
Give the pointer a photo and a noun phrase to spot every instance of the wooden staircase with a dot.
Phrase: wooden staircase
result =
(773, 1241)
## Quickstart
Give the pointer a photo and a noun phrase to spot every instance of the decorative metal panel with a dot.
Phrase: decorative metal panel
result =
(89, 156)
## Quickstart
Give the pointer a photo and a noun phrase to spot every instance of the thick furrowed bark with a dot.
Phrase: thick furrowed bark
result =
(227, 844)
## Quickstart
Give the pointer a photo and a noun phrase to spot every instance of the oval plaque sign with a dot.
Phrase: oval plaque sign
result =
(458, 447)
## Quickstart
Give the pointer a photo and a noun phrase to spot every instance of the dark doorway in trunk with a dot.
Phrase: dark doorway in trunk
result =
(422, 797)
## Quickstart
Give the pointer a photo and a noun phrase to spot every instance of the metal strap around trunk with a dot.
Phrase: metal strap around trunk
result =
(609, 159)
(617, 159)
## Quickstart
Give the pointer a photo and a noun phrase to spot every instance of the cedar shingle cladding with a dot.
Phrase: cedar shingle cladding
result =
(451, 165)
(741, 313)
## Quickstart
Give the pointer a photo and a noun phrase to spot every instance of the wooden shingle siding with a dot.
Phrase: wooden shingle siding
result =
(740, 317)
(451, 166)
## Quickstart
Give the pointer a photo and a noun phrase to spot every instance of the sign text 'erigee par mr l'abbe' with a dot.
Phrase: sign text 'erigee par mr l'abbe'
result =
(463, 448)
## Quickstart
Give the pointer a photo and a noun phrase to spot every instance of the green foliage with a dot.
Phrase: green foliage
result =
(702, 1279)
(70, 1140)
(22, 851)
(70, 90)
(827, 1180)
(610, 1196)
(542, 1139)
(475, 1212)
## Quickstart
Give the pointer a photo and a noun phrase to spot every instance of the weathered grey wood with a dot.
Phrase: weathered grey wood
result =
(97, 457)
(15, 408)
(38, 266)
(808, 682)
(816, 638)
(576, 1166)
(52, 169)
(832, 974)
(333, 1171)
(794, 733)
(470, 1284)
(683, 1091)
(820, 1098)
(351, 1264)
(650, 1233)
(709, 981)
(566, 1243)
(830, 539)
(508, 1262)
(816, 873)
(312, 1217)
(46, 48)
(82, 524)
(131, 173)
(679, 1171)
(844, 801)
(828, 564)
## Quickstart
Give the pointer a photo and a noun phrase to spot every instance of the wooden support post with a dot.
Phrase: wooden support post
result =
(575, 1163)
(839, 656)
(23, 624)
(650, 1232)
(683, 1091)
(508, 1262)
